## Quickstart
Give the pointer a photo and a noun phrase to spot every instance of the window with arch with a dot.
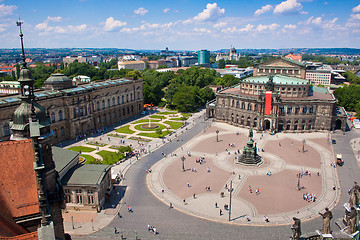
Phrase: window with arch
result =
(289, 110)
(249, 106)
(6, 129)
(232, 103)
(248, 121)
(103, 104)
(113, 101)
(237, 104)
(311, 110)
(256, 108)
(139, 96)
(243, 105)
(128, 110)
(242, 120)
(108, 103)
(297, 110)
(98, 105)
(131, 96)
(62, 131)
(127, 97)
(281, 110)
(118, 100)
(122, 99)
(288, 124)
(52, 117)
(304, 110)
(61, 115)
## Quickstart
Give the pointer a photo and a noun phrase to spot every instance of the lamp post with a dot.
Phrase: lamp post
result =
(72, 222)
(92, 224)
(217, 135)
(298, 184)
(303, 142)
(183, 163)
(230, 190)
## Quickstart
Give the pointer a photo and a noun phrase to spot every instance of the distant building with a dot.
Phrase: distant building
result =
(317, 77)
(232, 55)
(81, 79)
(282, 66)
(136, 65)
(9, 87)
(93, 60)
(236, 72)
(294, 57)
(57, 81)
(203, 57)
(166, 52)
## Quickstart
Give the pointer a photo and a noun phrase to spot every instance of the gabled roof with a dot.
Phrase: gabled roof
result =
(292, 62)
(18, 191)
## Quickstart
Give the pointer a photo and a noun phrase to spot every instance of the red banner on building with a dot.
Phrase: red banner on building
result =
(268, 100)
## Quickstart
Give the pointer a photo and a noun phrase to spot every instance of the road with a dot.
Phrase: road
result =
(172, 224)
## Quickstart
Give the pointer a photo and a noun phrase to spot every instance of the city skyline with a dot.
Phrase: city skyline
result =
(184, 25)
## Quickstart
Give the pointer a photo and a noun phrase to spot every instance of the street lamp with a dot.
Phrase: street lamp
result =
(72, 222)
(230, 190)
(303, 142)
(217, 135)
(298, 185)
(183, 160)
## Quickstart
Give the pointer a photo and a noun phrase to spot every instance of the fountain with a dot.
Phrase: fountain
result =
(249, 157)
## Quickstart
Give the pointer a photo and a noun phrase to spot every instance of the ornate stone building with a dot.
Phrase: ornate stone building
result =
(81, 109)
(278, 102)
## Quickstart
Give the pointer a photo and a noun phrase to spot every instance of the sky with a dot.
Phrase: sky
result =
(181, 24)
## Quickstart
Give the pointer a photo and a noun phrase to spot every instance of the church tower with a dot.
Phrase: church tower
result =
(31, 121)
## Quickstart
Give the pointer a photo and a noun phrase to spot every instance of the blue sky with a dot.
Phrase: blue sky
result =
(181, 24)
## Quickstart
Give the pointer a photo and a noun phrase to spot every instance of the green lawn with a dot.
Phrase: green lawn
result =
(178, 119)
(174, 125)
(154, 134)
(125, 129)
(90, 159)
(140, 139)
(96, 143)
(167, 113)
(146, 121)
(110, 158)
(138, 127)
(82, 149)
(186, 115)
(157, 116)
(116, 135)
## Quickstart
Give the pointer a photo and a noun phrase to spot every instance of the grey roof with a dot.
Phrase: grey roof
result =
(85, 175)
(57, 78)
(62, 157)
(278, 80)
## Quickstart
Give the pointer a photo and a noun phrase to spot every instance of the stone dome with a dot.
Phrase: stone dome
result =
(58, 81)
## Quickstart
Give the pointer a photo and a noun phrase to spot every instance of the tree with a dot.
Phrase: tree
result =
(184, 100)
(221, 64)
(134, 74)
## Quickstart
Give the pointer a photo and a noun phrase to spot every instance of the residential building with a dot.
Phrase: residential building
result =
(136, 65)
(203, 57)
(294, 57)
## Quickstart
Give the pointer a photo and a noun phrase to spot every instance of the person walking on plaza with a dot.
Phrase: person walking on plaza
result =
(327, 216)
(296, 228)
(220, 212)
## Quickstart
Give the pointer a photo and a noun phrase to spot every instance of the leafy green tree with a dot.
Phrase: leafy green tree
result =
(185, 99)
(351, 77)
(348, 96)
(134, 74)
(221, 63)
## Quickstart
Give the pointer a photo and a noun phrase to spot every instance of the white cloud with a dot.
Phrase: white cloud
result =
(141, 11)
(290, 26)
(271, 27)
(288, 7)
(2, 27)
(111, 24)
(166, 10)
(42, 26)
(220, 24)
(356, 9)
(263, 10)
(54, 19)
(211, 13)
(247, 28)
(202, 30)
(355, 16)
(6, 10)
(45, 28)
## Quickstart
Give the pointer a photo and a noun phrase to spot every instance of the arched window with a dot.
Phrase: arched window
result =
(103, 104)
(52, 117)
(237, 104)
(62, 131)
(139, 96)
(61, 115)
(248, 121)
(288, 124)
(131, 97)
(304, 110)
(127, 97)
(128, 110)
(243, 105)
(256, 108)
(297, 110)
(118, 100)
(242, 120)
(108, 103)
(113, 101)
(98, 105)
(119, 113)
(311, 110)
(255, 123)
(122, 99)
(6, 130)
(232, 103)
(289, 110)
(249, 106)
(281, 110)
(296, 125)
